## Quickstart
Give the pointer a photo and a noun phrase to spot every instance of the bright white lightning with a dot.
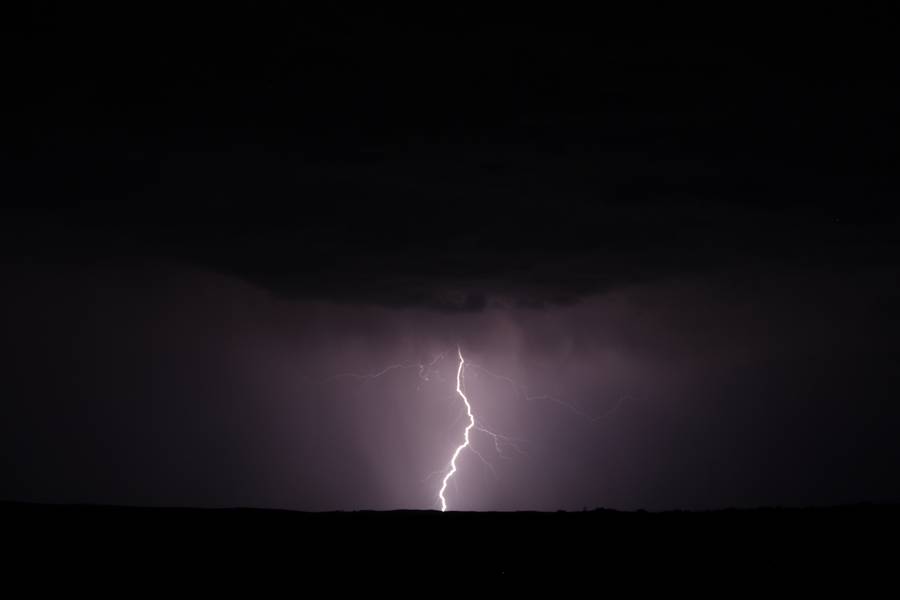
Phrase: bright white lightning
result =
(471, 424)
(502, 444)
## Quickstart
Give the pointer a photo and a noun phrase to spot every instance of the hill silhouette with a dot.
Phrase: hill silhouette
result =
(813, 545)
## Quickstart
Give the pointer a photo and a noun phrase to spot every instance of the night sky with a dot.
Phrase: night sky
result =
(669, 260)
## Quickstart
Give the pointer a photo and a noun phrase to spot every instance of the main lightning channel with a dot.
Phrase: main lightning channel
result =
(465, 444)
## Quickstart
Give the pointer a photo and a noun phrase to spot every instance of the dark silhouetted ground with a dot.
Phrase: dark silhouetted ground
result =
(853, 547)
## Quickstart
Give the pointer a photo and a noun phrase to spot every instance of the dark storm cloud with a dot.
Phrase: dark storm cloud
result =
(454, 171)
(457, 228)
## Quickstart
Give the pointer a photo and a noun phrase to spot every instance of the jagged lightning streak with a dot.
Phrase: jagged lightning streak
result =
(425, 371)
(502, 443)
(469, 426)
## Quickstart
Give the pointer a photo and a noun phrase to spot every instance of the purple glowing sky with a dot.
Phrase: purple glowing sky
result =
(173, 385)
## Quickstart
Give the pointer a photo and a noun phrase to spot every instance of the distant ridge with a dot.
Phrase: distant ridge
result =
(746, 547)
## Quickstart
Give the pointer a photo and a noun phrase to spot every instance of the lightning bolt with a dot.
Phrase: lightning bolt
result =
(469, 426)
(425, 371)
(502, 443)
